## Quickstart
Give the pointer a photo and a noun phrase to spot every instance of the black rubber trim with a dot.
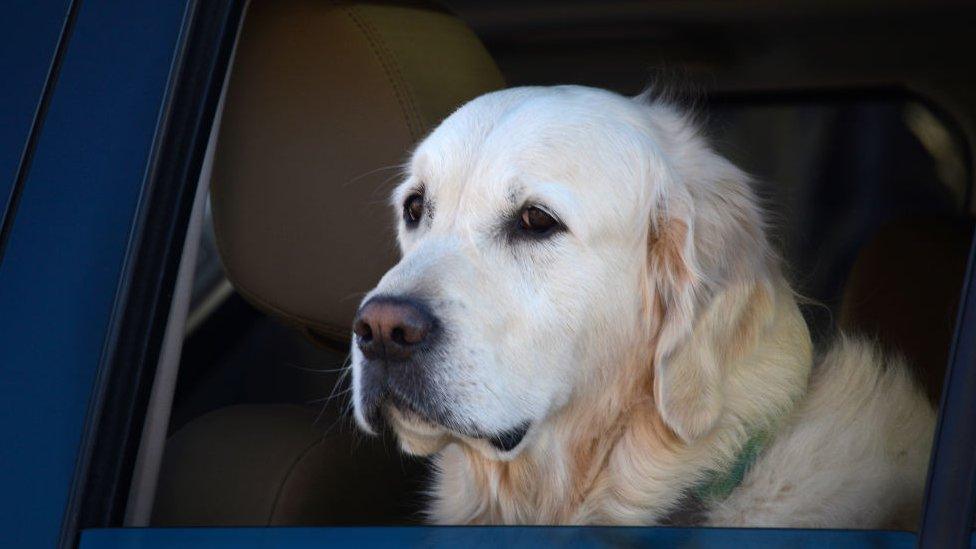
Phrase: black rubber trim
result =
(949, 494)
(40, 113)
(128, 366)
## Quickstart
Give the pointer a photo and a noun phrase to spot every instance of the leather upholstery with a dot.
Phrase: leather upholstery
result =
(257, 465)
(904, 290)
(325, 101)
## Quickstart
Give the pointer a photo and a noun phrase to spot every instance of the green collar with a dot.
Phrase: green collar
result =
(718, 484)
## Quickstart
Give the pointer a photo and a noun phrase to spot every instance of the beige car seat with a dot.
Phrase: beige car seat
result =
(904, 290)
(325, 101)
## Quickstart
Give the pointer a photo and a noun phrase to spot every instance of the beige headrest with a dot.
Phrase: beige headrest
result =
(326, 100)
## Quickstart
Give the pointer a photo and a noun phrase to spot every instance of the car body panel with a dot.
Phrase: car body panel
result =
(66, 250)
(487, 536)
(30, 30)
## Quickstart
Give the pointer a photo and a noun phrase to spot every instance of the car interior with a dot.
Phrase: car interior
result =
(856, 123)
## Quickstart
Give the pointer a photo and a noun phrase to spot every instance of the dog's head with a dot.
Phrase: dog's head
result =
(546, 233)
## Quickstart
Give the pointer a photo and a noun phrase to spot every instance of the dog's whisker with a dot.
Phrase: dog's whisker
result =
(399, 167)
(331, 396)
(314, 370)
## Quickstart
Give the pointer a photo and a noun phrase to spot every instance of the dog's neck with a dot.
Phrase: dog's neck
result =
(608, 457)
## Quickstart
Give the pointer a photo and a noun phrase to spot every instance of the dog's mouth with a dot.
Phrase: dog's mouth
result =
(408, 419)
(509, 440)
(416, 411)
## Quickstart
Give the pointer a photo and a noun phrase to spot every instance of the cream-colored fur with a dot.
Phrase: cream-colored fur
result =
(643, 344)
(853, 454)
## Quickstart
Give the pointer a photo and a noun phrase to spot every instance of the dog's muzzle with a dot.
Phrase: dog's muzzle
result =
(398, 337)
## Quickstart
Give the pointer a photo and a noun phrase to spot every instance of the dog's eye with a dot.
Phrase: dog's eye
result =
(413, 208)
(536, 220)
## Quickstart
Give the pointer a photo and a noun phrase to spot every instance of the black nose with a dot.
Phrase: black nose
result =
(392, 328)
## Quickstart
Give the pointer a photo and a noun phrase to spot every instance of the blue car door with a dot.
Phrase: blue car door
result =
(72, 177)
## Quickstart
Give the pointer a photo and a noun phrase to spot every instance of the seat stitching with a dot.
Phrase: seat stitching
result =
(391, 69)
(291, 469)
(411, 118)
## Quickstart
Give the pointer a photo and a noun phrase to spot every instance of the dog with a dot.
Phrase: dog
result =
(589, 325)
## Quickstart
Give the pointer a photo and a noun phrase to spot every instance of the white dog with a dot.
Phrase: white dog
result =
(588, 326)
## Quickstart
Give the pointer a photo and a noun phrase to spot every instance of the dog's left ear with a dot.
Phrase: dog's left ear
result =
(706, 272)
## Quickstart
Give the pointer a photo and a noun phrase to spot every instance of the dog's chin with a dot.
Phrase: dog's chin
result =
(416, 436)
(419, 437)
